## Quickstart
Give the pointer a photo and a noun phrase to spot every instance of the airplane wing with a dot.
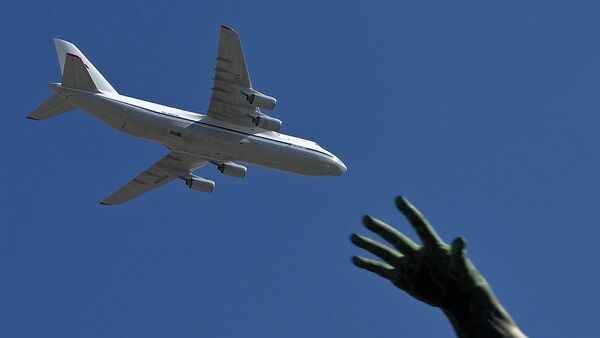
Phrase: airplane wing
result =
(233, 99)
(173, 165)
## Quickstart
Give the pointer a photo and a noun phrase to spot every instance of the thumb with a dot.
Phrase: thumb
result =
(458, 250)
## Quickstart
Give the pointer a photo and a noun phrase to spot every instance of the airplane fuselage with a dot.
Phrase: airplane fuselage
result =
(203, 135)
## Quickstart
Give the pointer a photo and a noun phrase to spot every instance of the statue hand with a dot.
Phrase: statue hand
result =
(435, 272)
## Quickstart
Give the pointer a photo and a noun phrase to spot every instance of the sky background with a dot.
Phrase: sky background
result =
(485, 114)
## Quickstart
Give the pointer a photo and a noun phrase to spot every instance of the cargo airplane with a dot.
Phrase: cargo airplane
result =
(233, 129)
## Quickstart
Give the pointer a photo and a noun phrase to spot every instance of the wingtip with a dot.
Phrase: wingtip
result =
(31, 118)
(227, 27)
(104, 203)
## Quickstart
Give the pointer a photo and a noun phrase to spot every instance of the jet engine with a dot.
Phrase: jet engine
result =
(232, 169)
(261, 100)
(267, 122)
(200, 184)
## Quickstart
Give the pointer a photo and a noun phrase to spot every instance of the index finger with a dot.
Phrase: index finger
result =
(425, 231)
(404, 244)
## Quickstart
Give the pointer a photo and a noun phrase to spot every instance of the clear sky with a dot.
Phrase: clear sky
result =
(484, 113)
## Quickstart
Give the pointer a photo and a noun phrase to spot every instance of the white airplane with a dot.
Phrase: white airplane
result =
(234, 128)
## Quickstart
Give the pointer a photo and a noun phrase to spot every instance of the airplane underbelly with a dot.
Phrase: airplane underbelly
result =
(122, 117)
(220, 144)
(282, 157)
(100, 109)
(213, 143)
(145, 126)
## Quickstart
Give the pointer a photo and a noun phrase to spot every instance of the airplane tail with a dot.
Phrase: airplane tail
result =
(77, 73)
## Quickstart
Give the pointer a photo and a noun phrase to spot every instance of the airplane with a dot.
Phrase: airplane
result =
(233, 129)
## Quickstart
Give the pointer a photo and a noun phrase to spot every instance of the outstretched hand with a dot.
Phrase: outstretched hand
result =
(436, 273)
(433, 272)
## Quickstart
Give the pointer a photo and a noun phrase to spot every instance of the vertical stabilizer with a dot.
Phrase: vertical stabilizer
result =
(77, 75)
(65, 48)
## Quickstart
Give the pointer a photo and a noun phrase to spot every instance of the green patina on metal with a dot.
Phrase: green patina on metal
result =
(437, 274)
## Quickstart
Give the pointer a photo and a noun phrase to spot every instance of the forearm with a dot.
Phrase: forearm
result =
(479, 314)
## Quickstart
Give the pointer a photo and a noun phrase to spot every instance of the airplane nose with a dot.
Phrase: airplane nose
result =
(340, 168)
(343, 168)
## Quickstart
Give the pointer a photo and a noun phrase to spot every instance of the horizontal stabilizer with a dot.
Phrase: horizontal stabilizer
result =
(55, 105)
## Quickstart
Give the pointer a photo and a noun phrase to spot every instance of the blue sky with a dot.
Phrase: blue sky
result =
(485, 114)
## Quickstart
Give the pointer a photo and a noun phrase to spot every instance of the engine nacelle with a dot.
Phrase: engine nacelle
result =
(232, 169)
(267, 122)
(200, 184)
(261, 100)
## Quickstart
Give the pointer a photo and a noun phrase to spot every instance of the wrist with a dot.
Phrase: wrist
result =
(477, 313)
